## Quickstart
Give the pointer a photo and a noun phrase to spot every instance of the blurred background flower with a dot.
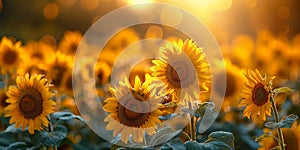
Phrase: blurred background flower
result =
(41, 37)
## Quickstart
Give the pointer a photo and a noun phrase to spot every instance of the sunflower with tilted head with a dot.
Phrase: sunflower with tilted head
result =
(256, 95)
(30, 102)
(10, 55)
(133, 109)
(182, 66)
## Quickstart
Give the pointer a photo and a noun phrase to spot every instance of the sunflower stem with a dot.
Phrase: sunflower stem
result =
(50, 127)
(6, 80)
(276, 116)
(192, 124)
(186, 135)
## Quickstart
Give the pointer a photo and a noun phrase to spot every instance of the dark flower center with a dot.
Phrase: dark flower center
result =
(3, 98)
(260, 95)
(9, 56)
(130, 111)
(230, 84)
(30, 103)
(180, 73)
(73, 47)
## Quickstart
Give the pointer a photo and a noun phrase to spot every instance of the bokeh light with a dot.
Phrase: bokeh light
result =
(51, 11)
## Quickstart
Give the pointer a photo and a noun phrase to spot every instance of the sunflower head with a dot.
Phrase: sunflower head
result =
(3, 102)
(30, 102)
(133, 109)
(102, 72)
(234, 82)
(182, 67)
(70, 42)
(40, 52)
(256, 95)
(62, 64)
(67, 82)
(10, 54)
(122, 40)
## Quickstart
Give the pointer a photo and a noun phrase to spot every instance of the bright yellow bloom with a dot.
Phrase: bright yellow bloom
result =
(30, 103)
(182, 66)
(10, 55)
(38, 51)
(133, 110)
(121, 40)
(256, 95)
(70, 42)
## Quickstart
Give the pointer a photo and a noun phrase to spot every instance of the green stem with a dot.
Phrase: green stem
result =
(279, 131)
(50, 127)
(186, 135)
(6, 81)
(192, 124)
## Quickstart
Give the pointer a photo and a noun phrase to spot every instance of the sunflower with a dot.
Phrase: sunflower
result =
(291, 138)
(3, 103)
(102, 72)
(40, 52)
(70, 42)
(234, 82)
(62, 64)
(182, 67)
(66, 82)
(121, 40)
(140, 70)
(133, 110)
(10, 54)
(30, 103)
(256, 95)
(32, 67)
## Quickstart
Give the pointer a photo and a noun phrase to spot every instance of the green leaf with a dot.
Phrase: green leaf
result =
(17, 146)
(12, 129)
(219, 140)
(163, 135)
(65, 116)
(283, 90)
(52, 138)
(222, 136)
(285, 122)
(261, 137)
(204, 107)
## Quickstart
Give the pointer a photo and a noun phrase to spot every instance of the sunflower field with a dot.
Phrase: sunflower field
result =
(149, 74)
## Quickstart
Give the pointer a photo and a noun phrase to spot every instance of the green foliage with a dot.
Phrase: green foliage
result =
(261, 137)
(52, 138)
(219, 140)
(283, 90)
(285, 122)
(163, 135)
(64, 116)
